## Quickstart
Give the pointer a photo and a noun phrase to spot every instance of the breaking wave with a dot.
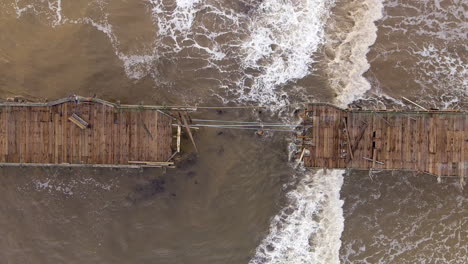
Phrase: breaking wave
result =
(284, 35)
(309, 228)
(348, 42)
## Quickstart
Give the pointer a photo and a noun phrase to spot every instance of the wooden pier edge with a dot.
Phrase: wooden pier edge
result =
(74, 165)
(81, 99)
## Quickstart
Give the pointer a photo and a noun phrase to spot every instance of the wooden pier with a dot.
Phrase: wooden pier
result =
(79, 131)
(434, 142)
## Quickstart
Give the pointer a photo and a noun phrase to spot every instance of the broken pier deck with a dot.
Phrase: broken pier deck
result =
(434, 142)
(79, 131)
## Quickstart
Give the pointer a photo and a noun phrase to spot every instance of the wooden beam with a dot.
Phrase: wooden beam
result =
(414, 103)
(187, 128)
(76, 122)
(151, 163)
(302, 155)
(348, 139)
(179, 132)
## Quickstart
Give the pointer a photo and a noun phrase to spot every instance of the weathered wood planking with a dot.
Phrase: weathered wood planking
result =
(44, 134)
(434, 142)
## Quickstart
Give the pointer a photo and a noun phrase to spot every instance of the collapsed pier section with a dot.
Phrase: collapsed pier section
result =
(434, 142)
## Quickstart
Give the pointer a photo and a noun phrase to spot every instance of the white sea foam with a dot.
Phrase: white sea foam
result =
(308, 230)
(56, 7)
(51, 9)
(55, 184)
(350, 47)
(439, 69)
(429, 230)
(177, 21)
(284, 36)
(20, 9)
(437, 53)
(428, 18)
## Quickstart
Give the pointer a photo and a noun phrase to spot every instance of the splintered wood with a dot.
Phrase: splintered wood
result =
(434, 142)
(84, 133)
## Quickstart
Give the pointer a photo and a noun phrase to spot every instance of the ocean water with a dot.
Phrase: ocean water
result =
(241, 200)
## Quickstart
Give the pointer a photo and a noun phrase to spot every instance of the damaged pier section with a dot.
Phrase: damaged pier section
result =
(433, 142)
(79, 131)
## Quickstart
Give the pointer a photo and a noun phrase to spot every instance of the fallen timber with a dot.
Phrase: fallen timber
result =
(87, 132)
(432, 142)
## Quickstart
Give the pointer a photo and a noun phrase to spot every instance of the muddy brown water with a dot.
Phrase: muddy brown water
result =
(241, 199)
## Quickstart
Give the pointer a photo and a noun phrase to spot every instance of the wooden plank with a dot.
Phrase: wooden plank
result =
(65, 133)
(463, 168)
(101, 119)
(126, 138)
(115, 135)
(136, 134)
(398, 155)
(132, 135)
(109, 119)
(153, 152)
(3, 135)
(316, 135)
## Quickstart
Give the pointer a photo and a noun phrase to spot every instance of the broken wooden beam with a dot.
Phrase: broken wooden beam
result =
(187, 128)
(78, 121)
(348, 139)
(414, 103)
